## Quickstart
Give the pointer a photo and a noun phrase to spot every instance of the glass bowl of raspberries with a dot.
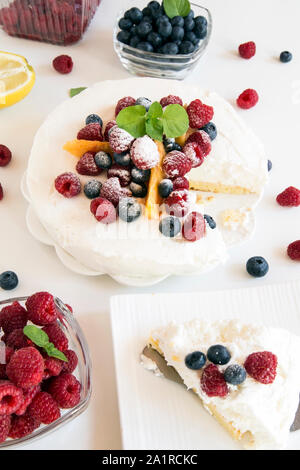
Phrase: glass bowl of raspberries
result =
(151, 43)
(45, 368)
(60, 22)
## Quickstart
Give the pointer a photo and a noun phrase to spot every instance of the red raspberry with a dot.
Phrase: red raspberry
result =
(52, 367)
(247, 50)
(5, 421)
(290, 197)
(120, 140)
(56, 336)
(180, 183)
(112, 191)
(17, 340)
(199, 114)
(5, 155)
(103, 210)
(171, 99)
(41, 308)
(213, 382)
(108, 127)
(11, 397)
(194, 227)
(44, 408)
(176, 164)
(68, 184)
(28, 396)
(194, 152)
(12, 317)
(63, 64)
(262, 366)
(178, 203)
(26, 367)
(293, 250)
(202, 139)
(120, 172)
(87, 166)
(92, 131)
(124, 103)
(71, 365)
(144, 153)
(247, 99)
(65, 390)
(4, 360)
(22, 426)
(1, 192)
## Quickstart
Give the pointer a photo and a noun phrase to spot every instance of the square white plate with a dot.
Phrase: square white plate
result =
(157, 413)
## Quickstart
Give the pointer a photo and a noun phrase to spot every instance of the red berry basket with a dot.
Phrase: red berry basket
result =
(60, 22)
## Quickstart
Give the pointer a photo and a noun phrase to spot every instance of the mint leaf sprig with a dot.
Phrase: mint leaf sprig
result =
(173, 121)
(177, 7)
(76, 91)
(41, 339)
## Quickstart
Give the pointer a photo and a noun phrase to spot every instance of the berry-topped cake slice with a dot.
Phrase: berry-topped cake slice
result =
(247, 376)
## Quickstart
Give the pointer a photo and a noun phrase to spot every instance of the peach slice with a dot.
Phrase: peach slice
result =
(79, 147)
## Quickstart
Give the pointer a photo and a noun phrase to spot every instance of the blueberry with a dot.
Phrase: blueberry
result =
(129, 209)
(168, 141)
(170, 48)
(211, 130)
(165, 187)
(143, 29)
(122, 159)
(191, 14)
(211, 222)
(155, 39)
(177, 33)
(142, 101)
(153, 5)
(164, 29)
(170, 146)
(94, 118)
(195, 360)
(140, 176)
(8, 280)
(92, 189)
(145, 46)
(218, 354)
(235, 374)
(148, 19)
(103, 160)
(285, 56)
(200, 31)
(134, 41)
(123, 36)
(135, 15)
(190, 36)
(270, 165)
(163, 19)
(177, 21)
(127, 14)
(189, 24)
(257, 266)
(125, 24)
(186, 47)
(170, 226)
(146, 11)
(200, 21)
(138, 190)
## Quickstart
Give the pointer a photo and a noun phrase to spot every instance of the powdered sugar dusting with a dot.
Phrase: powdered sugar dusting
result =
(120, 172)
(176, 164)
(120, 140)
(144, 153)
(112, 190)
(191, 152)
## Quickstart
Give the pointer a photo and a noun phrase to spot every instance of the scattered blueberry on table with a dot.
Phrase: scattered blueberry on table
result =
(285, 57)
(8, 280)
(257, 266)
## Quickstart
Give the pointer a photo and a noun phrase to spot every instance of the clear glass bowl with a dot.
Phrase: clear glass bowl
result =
(156, 65)
(78, 343)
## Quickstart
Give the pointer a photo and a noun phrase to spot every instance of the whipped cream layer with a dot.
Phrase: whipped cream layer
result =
(265, 411)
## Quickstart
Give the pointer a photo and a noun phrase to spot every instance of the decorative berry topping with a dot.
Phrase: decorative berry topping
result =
(124, 103)
(52, 367)
(87, 166)
(170, 226)
(120, 140)
(144, 153)
(63, 64)
(28, 396)
(176, 164)
(5, 422)
(122, 159)
(8, 353)
(68, 184)
(257, 266)
(12, 317)
(211, 222)
(138, 190)
(94, 118)
(8, 280)
(71, 365)
(194, 152)
(211, 130)
(293, 250)
(103, 160)
(17, 340)
(178, 203)
(270, 165)
(247, 99)
(26, 367)
(103, 210)
(247, 50)
(120, 172)
(44, 408)
(285, 57)
(202, 139)
(1, 192)
(181, 183)
(171, 99)
(170, 145)
(92, 189)
(290, 197)
(22, 426)
(213, 382)
(11, 397)
(142, 101)
(199, 114)
(235, 374)
(41, 308)
(262, 366)
(194, 227)
(218, 354)
(165, 188)
(65, 390)
(56, 336)
(129, 209)
(91, 132)
(5, 155)
(195, 360)
(108, 127)
(111, 190)
(140, 176)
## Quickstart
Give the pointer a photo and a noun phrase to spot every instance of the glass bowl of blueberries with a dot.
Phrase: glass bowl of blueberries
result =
(151, 41)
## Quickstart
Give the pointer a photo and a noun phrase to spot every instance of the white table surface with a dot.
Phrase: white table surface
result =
(276, 119)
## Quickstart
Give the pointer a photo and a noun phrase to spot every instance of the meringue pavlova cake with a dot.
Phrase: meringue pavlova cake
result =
(111, 179)
(247, 376)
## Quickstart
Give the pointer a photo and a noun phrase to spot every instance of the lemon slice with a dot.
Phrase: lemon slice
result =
(17, 78)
